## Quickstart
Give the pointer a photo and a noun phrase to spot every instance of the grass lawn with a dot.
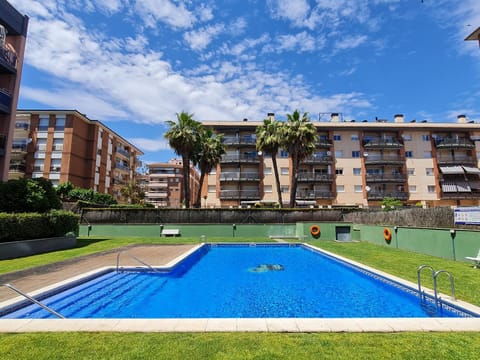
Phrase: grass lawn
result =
(257, 345)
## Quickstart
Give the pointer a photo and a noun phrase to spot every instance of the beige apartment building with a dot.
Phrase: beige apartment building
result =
(65, 145)
(13, 35)
(164, 185)
(355, 163)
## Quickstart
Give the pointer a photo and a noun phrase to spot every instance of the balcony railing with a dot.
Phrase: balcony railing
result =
(456, 160)
(8, 59)
(383, 159)
(239, 140)
(380, 195)
(123, 152)
(239, 176)
(305, 177)
(383, 143)
(449, 143)
(19, 148)
(314, 194)
(386, 178)
(5, 101)
(17, 168)
(240, 159)
(318, 159)
(324, 143)
(239, 194)
(122, 166)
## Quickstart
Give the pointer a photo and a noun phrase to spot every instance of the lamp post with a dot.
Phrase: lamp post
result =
(161, 229)
(453, 233)
(234, 227)
(395, 228)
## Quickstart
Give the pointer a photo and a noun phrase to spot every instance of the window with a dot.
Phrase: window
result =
(60, 124)
(283, 154)
(55, 165)
(43, 123)
(267, 171)
(354, 138)
(339, 154)
(267, 188)
(407, 137)
(431, 188)
(339, 171)
(214, 171)
(41, 144)
(212, 188)
(284, 171)
(412, 188)
(38, 165)
(410, 171)
(427, 154)
(355, 154)
(426, 137)
(358, 188)
(57, 145)
(357, 171)
(408, 154)
(429, 171)
(340, 188)
(337, 137)
(284, 189)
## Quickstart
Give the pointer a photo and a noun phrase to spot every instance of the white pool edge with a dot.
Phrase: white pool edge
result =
(290, 325)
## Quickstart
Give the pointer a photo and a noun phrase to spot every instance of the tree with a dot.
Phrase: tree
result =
(299, 137)
(209, 152)
(183, 139)
(133, 193)
(28, 195)
(269, 141)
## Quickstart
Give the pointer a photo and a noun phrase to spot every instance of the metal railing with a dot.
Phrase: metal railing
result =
(28, 297)
(239, 194)
(136, 259)
(385, 177)
(454, 142)
(435, 274)
(240, 158)
(315, 177)
(237, 176)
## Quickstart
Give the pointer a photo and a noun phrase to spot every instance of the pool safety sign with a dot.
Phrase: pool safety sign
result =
(467, 216)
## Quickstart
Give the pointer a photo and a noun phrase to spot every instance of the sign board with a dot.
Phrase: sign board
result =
(467, 216)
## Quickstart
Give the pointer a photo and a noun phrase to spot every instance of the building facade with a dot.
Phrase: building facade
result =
(355, 163)
(164, 187)
(13, 34)
(65, 145)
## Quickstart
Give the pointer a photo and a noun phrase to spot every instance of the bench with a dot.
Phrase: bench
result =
(170, 232)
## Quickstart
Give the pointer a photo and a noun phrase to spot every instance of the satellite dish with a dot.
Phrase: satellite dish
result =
(367, 188)
(329, 153)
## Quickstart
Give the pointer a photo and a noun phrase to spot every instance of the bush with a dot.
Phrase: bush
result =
(24, 226)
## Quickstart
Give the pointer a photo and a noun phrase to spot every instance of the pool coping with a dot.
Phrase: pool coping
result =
(294, 325)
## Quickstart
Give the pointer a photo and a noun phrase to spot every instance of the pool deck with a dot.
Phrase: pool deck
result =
(35, 280)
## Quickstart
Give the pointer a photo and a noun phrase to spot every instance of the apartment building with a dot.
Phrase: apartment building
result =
(65, 145)
(355, 163)
(13, 34)
(164, 187)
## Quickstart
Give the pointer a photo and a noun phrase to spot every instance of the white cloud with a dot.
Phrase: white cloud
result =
(351, 42)
(153, 11)
(201, 38)
(145, 144)
(294, 10)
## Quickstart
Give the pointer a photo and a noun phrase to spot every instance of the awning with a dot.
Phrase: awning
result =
(471, 170)
(451, 170)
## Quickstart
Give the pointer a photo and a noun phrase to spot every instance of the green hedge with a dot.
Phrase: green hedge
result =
(24, 226)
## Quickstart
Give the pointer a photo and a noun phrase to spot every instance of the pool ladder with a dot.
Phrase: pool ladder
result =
(435, 274)
(28, 297)
(136, 259)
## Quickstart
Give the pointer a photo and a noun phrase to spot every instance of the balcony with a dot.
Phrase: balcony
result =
(314, 194)
(398, 178)
(123, 152)
(5, 101)
(456, 160)
(246, 140)
(318, 159)
(19, 148)
(122, 166)
(8, 60)
(380, 195)
(324, 144)
(17, 168)
(382, 159)
(239, 194)
(308, 177)
(454, 143)
(156, 195)
(383, 143)
(239, 176)
(245, 158)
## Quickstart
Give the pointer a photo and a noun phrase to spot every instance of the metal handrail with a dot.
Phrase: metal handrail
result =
(134, 258)
(28, 297)
(450, 277)
(434, 278)
(420, 268)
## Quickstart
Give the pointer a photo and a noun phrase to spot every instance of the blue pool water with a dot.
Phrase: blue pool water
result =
(241, 281)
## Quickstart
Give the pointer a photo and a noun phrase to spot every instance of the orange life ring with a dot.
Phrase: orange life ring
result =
(387, 235)
(315, 230)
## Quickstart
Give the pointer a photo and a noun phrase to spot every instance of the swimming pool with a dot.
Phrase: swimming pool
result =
(240, 281)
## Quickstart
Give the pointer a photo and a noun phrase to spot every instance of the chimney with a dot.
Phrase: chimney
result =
(462, 119)
(334, 117)
(398, 118)
(271, 116)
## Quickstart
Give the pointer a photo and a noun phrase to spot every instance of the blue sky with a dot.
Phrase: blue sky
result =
(133, 64)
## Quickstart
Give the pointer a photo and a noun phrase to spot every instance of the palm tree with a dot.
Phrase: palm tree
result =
(209, 152)
(183, 138)
(269, 141)
(299, 137)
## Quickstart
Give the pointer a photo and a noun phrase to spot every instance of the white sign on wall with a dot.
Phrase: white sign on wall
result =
(467, 216)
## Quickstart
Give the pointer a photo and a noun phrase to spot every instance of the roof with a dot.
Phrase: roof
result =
(474, 35)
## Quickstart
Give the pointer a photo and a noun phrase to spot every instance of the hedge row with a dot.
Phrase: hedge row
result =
(25, 226)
